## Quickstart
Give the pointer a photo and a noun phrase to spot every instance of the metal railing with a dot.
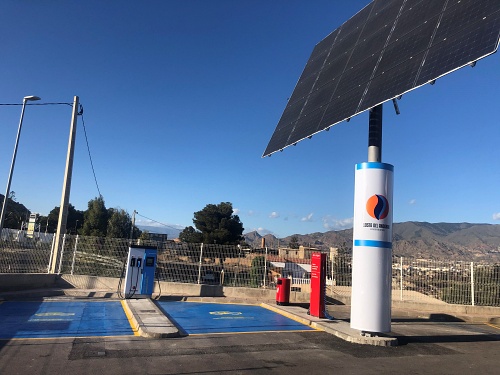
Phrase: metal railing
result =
(422, 280)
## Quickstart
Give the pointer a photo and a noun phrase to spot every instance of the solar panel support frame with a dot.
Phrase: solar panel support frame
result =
(375, 134)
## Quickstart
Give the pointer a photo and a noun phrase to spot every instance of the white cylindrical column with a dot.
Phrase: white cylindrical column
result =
(372, 248)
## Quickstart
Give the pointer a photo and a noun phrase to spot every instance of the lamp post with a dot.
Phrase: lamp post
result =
(9, 180)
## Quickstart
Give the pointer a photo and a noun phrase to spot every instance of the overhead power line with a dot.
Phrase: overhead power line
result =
(168, 226)
(88, 149)
(57, 103)
(80, 113)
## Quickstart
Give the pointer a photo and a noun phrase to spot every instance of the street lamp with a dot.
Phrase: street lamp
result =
(9, 180)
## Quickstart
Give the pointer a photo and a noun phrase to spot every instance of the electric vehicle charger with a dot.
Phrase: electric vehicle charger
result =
(139, 270)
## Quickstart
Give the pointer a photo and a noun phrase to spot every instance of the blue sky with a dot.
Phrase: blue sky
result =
(181, 98)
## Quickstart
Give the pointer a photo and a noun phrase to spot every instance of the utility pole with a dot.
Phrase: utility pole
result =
(9, 180)
(133, 225)
(63, 209)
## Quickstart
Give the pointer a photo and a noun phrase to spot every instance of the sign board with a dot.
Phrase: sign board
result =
(318, 280)
(31, 226)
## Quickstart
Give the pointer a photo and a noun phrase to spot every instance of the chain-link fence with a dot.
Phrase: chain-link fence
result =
(22, 254)
(455, 282)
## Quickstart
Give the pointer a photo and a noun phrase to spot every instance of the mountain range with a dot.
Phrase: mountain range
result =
(171, 231)
(458, 241)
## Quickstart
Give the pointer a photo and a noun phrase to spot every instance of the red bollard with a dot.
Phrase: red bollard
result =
(283, 291)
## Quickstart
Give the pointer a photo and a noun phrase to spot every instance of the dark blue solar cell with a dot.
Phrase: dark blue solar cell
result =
(470, 44)
(370, 46)
(355, 24)
(325, 45)
(334, 67)
(413, 14)
(401, 50)
(381, 18)
(358, 75)
(341, 107)
(380, 5)
(308, 121)
(320, 97)
(393, 82)
(302, 89)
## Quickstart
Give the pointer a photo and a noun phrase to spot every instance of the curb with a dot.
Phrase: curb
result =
(495, 320)
(297, 318)
(148, 320)
(337, 328)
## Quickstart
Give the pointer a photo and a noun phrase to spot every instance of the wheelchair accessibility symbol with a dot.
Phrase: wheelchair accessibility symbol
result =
(225, 313)
(52, 317)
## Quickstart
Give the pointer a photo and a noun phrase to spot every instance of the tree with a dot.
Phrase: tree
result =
(53, 218)
(119, 223)
(189, 234)
(12, 196)
(294, 242)
(218, 224)
(95, 218)
(144, 236)
(73, 222)
(257, 271)
(16, 212)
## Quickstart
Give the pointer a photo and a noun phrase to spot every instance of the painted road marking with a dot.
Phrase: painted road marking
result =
(204, 318)
(130, 318)
(46, 319)
(493, 325)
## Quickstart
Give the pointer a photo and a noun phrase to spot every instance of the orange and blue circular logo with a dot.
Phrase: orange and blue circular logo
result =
(377, 206)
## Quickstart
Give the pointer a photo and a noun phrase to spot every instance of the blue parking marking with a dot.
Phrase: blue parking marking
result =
(203, 318)
(62, 319)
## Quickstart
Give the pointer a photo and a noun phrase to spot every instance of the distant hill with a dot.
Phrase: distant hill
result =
(459, 241)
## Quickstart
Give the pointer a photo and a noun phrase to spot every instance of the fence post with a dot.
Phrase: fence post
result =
(62, 253)
(472, 283)
(239, 259)
(51, 253)
(333, 260)
(199, 265)
(265, 268)
(401, 278)
(74, 255)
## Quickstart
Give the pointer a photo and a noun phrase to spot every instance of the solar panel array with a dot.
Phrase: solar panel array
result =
(387, 49)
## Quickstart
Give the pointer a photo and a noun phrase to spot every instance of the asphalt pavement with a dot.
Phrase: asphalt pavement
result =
(435, 344)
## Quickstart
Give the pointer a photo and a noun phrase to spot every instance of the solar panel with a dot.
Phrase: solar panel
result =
(388, 48)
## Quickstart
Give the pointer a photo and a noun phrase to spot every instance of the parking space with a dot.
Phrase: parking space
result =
(47, 319)
(209, 318)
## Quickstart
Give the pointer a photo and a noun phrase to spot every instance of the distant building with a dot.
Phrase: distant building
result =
(302, 252)
(160, 237)
(334, 251)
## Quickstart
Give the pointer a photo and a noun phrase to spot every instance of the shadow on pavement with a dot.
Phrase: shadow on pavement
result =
(405, 340)
(431, 318)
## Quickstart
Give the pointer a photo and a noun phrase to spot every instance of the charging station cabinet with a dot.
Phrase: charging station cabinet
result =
(140, 272)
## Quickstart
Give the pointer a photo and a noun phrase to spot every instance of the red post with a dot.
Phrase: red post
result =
(318, 280)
